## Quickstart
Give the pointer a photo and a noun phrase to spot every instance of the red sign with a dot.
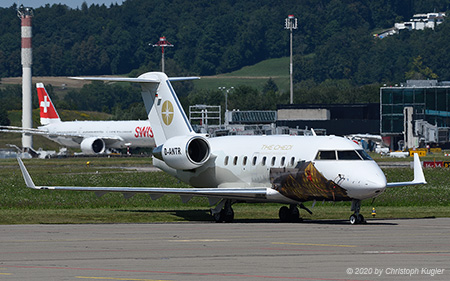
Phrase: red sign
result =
(143, 132)
(436, 164)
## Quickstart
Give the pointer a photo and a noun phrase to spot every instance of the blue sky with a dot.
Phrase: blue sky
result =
(71, 3)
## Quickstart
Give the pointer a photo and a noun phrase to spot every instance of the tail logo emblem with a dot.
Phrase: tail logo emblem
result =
(45, 104)
(167, 112)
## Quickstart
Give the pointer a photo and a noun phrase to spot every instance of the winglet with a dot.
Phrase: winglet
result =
(26, 176)
(419, 177)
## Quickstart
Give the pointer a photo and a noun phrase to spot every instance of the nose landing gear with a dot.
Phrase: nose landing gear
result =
(356, 218)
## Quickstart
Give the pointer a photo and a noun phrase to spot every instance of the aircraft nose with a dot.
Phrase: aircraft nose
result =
(376, 182)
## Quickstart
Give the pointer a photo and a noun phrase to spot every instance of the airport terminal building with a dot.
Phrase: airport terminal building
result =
(415, 114)
(335, 119)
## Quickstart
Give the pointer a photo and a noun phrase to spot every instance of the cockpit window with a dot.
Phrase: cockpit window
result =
(326, 155)
(364, 154)
(359, 154)
(348, 155)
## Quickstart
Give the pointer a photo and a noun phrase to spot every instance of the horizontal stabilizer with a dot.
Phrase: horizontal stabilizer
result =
(118, 79)
(132, 80)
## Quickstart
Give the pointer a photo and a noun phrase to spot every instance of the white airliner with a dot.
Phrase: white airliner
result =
(92, 137)
(282, 169)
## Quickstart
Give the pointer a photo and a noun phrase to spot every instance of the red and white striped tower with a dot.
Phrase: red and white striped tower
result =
(162, 43)
(25, 14)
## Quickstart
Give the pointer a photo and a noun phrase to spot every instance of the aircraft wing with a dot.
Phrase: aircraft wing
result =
(419, 177)
(14, 129)
(34, 131)
(186, 194)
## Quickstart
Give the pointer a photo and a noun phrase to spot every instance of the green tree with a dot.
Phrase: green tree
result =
(270, 86)
(4, 120)
(419, 71)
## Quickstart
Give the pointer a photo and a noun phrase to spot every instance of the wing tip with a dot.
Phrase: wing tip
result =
(26, 176)
(419, 177)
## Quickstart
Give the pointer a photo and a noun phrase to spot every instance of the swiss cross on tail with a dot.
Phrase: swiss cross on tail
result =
(48, 111)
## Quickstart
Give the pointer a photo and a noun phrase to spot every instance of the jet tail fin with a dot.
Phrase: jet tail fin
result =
(48, 112)
(164, 110)
(419, 177)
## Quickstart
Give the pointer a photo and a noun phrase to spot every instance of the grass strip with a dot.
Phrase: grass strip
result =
(20, 205)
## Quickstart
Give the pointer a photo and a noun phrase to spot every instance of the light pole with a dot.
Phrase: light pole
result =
(224, 89)
(162, 43)
(291, 23)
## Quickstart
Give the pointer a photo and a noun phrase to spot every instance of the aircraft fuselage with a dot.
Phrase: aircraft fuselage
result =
(296, 168)
(133, 133)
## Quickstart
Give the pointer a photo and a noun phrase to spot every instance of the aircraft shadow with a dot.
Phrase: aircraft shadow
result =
(309, 221)
(189, 215)
(203, 216)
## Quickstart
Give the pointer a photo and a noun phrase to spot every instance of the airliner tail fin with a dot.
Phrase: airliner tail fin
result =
(48, 111)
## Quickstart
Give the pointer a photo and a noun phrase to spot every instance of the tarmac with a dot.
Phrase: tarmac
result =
(403, 249)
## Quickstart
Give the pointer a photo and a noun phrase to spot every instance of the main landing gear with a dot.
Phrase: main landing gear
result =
(292, 213)
(223, 211)
(356, 218)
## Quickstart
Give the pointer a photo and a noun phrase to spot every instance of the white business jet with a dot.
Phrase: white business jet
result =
(92, 137)
(282, 169)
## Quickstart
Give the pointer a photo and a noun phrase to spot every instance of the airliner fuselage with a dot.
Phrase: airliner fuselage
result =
(121, 133)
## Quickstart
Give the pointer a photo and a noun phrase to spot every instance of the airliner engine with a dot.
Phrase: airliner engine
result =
(184, 152)
(92, 146)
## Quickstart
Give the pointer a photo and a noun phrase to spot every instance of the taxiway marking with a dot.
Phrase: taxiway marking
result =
(111, 278)
(310, 244)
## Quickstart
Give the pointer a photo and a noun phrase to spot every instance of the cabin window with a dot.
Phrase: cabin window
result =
(274, 159)
(326, 155)
(235, 160)
(364, 154)
(292, 163)
(348, 155)
(263, 162)
(282, 161)
(244, 161)
(225, 161)
(254, 160)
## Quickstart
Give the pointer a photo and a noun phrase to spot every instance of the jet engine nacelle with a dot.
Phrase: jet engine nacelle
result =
(184, 152)
(92, 146)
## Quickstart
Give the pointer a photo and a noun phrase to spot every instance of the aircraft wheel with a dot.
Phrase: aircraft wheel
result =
(224, 216)
(361, 219)
(353, 219)
(284, 214)
(228, 216)
(294, 214)
(357, 219)
(218, 217)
